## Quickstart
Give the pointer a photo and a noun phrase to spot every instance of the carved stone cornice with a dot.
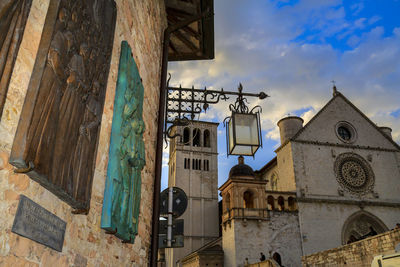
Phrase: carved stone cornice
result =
(344, 145)
(355, 202)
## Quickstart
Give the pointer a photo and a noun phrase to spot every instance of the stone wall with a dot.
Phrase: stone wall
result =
(279, 234)
(359, 253)
(141, 23)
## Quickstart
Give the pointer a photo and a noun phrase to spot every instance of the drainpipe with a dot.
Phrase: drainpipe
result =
(159, 149)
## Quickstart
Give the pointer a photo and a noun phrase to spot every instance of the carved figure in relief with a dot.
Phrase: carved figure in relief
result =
(70, 116)
(131, 164)
(58, 133)
(13, 17)
(50, 92)
(87, 142)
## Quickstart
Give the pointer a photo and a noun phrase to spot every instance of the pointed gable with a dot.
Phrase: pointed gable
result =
(339, 111)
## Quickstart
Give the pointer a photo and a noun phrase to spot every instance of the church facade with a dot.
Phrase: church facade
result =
(334, 181)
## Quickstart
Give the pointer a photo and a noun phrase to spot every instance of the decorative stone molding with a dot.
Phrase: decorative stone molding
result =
(341, 145)
(354, 174)
(359, 203)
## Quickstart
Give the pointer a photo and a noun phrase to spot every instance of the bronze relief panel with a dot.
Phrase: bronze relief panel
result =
(13, 17)
(57, 136)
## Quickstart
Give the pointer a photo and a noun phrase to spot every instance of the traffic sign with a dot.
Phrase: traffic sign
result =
(179, 202)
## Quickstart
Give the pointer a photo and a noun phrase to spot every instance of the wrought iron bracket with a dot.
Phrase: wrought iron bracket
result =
(184, 104)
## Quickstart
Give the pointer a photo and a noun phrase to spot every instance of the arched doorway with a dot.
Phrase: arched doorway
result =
(361, 225)
(277, 258)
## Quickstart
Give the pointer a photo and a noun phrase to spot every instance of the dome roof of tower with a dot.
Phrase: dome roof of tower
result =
(241, 169)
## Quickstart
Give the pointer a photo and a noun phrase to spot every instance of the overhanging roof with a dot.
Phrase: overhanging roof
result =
(195, 41)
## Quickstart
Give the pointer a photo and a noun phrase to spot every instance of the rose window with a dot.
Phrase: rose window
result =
(354, 173)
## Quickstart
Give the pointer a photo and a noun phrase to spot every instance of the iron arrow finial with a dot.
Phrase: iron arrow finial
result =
(262, 95)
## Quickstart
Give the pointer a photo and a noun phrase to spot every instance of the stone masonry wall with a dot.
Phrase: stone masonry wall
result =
(359, 253)
(279, 234)
(141, 23)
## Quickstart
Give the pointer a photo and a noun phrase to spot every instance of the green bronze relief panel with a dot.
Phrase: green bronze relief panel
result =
(127, 154)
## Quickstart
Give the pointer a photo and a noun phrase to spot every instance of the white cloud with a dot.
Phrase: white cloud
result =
(255, 46)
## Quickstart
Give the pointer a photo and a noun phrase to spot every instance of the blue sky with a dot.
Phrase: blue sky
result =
(292, 50)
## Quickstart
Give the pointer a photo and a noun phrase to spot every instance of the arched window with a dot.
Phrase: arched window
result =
(281, 203)
(270, 203)
(277, 258)
(196, 137)
(206, 137)
(361, 225)
(248, 200)
(227, 202)
(199, 164)
(186, 136)
(292, 204)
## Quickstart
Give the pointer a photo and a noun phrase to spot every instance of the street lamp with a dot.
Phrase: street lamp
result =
(243, 128)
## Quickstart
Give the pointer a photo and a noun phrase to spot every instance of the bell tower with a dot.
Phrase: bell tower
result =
(193, 167)
(244, 212)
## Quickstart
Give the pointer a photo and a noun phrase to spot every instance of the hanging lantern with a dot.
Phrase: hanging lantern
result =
(243, 128)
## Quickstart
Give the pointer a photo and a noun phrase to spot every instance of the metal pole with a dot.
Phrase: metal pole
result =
(169, 230)
(160, 132)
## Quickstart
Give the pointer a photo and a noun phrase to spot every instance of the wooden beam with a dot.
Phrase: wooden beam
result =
(186, 41)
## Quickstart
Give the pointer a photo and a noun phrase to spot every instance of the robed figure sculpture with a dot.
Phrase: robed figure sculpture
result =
(127, 154)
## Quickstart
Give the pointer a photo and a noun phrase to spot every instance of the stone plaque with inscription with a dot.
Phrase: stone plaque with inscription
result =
(34, 222)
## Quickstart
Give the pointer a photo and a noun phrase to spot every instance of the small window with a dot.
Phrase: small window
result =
(344, 133)
(199, 164)
(248, 201)
(187, 163)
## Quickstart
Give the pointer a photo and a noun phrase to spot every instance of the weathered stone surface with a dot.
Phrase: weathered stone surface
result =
(145, 15)
(15, 261)
(359, 253)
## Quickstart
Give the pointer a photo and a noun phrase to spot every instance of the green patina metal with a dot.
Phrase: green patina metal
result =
(127, 154)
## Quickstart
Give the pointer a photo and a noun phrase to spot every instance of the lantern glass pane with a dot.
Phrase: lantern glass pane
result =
(246, 130)
(242, 150)
(230, 128)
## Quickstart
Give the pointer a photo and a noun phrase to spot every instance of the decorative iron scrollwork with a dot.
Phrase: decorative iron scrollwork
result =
(183, 104)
